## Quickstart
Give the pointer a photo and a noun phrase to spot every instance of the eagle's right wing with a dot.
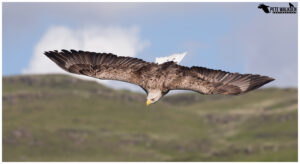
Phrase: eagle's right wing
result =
(100, 65)
(209, 81)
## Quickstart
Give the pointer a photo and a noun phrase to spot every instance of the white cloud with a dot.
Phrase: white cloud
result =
(120, 41)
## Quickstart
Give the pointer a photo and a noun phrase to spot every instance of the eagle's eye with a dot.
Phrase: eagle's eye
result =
(152, 99)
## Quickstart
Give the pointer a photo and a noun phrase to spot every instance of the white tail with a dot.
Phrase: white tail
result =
(175, 58)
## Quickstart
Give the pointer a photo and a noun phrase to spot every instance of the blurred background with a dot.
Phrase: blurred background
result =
(51, 115)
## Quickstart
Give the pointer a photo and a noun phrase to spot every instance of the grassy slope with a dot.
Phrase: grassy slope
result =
(59, 118)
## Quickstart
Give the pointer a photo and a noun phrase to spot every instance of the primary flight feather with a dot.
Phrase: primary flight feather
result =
(156, 79)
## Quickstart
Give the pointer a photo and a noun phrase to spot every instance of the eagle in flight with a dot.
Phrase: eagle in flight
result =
(157, 79)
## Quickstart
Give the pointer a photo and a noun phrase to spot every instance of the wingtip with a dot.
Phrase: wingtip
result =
(64, 50)
(47, 53)
(259, 82)
(50, 53)
(269, 79)
(272, 79)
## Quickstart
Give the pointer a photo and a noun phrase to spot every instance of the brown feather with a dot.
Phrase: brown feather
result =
(165, 77)
(99, 65)
(209, 81)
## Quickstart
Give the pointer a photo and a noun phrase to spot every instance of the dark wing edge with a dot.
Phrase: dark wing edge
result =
(209, 81)
(99, 65)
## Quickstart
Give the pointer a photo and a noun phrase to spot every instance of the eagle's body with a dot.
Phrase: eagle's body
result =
(156, 79)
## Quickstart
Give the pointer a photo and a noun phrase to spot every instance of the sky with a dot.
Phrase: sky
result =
(234, 37)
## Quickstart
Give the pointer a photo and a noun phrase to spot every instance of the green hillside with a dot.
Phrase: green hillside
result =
(60, 118)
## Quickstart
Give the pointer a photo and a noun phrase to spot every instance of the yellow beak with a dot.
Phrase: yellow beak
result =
(148, 102)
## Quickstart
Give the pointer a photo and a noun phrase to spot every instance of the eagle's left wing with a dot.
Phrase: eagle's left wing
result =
(100, 65)
(209, 81)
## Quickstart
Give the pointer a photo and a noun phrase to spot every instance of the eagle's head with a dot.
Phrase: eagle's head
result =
(153, 96)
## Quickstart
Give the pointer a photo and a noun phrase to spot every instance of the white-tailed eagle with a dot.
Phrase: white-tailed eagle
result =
(156, 79)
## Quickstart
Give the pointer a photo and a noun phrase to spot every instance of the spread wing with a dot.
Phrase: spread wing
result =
(99, 65)
(209, 81)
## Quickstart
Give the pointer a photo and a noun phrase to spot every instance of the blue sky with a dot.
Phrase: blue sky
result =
(236, 37)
